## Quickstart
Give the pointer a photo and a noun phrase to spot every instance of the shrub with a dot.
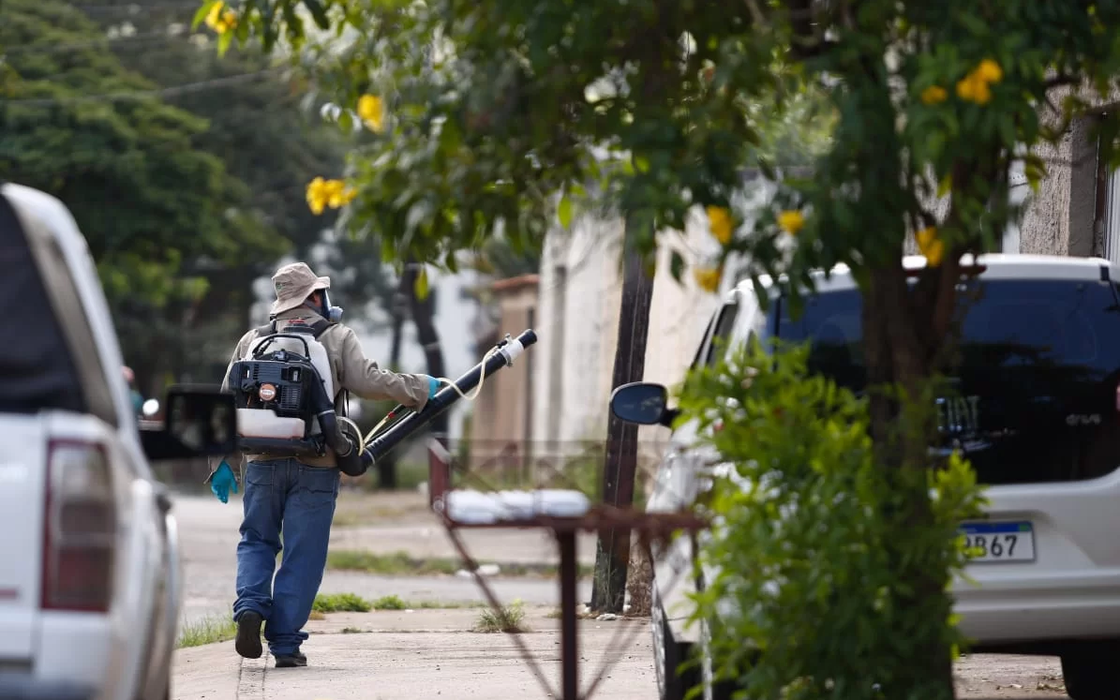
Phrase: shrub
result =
(815, 546)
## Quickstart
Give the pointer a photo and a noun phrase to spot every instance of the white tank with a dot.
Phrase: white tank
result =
(263, 422)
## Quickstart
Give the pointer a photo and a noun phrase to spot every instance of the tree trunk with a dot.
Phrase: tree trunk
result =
(612, 554)
(423, 315)
(387, 466)
(903, 339)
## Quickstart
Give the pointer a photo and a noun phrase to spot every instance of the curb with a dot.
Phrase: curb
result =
(250, 681)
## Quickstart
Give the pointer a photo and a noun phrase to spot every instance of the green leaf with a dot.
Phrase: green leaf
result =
(973, 24)
(200, 15)
(224, 40)
(676, 265)
(641, 164)
(318, 13)
(346, 122)
(564, 212)
(420, 287)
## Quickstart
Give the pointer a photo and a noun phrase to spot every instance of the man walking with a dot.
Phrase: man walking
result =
(296, 498)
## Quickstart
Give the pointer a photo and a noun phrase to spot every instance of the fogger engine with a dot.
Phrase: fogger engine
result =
(282, 389)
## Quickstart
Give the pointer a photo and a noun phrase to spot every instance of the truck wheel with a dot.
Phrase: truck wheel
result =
(1090, 671)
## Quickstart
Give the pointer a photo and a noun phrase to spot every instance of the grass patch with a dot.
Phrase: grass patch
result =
(390, 602)
(440, 605)
(409, 476)
(349, 602)
(340, 602)
(508, 619)
(351, 630)
(401, 564)
(206, 631)
(345, 517)
(396, 563)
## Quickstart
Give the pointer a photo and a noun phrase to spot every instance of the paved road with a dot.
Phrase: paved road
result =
(385, 524)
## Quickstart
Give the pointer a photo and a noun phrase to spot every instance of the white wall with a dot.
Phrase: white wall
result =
(578, 325)
(577, 330)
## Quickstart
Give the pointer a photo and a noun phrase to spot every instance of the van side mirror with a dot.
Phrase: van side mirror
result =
(643, 403)
(200, 422)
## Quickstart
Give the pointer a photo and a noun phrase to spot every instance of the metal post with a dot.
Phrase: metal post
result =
(569, 633)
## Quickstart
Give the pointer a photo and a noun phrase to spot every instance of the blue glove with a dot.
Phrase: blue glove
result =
(223, 481)
(433, 386)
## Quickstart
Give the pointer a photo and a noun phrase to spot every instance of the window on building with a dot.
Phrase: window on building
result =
(1108, 213)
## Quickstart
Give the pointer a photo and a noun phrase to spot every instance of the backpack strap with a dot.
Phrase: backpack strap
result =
(320, 327)
(343, 397)
(269, 329)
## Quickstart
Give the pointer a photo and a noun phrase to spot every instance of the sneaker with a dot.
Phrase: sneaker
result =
(291, 660)
(248, 643)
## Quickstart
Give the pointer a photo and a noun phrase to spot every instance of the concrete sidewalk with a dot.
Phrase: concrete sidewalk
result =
(432, 654)
(423, 654)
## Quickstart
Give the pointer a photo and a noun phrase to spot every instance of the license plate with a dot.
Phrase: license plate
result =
(999, 541)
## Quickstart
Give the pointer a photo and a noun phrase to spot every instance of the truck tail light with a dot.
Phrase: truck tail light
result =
(79, 528)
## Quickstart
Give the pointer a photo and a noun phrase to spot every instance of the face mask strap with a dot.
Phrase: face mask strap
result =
(331, 313)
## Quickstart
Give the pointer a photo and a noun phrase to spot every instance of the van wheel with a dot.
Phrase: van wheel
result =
(1090, 671)
(673, 682)
(713, 689)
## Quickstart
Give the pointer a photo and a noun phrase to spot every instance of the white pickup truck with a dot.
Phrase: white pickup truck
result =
(89, 563)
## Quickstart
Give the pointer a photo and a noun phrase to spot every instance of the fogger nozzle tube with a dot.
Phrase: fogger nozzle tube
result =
(508, 351)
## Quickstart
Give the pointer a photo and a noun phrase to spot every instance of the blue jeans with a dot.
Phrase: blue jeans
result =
(284, 496)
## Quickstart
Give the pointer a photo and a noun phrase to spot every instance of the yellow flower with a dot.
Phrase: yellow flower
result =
(934, 94)
(221, 19)
(974, 89)
(791, 221)
(371, 110)
(215, 14)
(720, 221)
(339, 194)
(318, 192)
(708, 278)
(989, 71)
(931, 246)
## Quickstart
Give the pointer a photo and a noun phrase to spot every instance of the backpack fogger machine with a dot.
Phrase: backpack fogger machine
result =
(282, 389)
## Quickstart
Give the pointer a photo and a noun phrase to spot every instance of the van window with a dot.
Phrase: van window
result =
(721, 332)
(1035, 374)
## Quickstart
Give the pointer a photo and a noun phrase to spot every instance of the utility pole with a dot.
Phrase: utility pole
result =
(612, 555)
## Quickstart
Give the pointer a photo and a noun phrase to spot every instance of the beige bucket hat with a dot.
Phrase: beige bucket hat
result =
(294, 283)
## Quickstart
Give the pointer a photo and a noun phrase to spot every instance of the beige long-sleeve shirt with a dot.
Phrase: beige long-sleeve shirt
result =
(351, 370)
